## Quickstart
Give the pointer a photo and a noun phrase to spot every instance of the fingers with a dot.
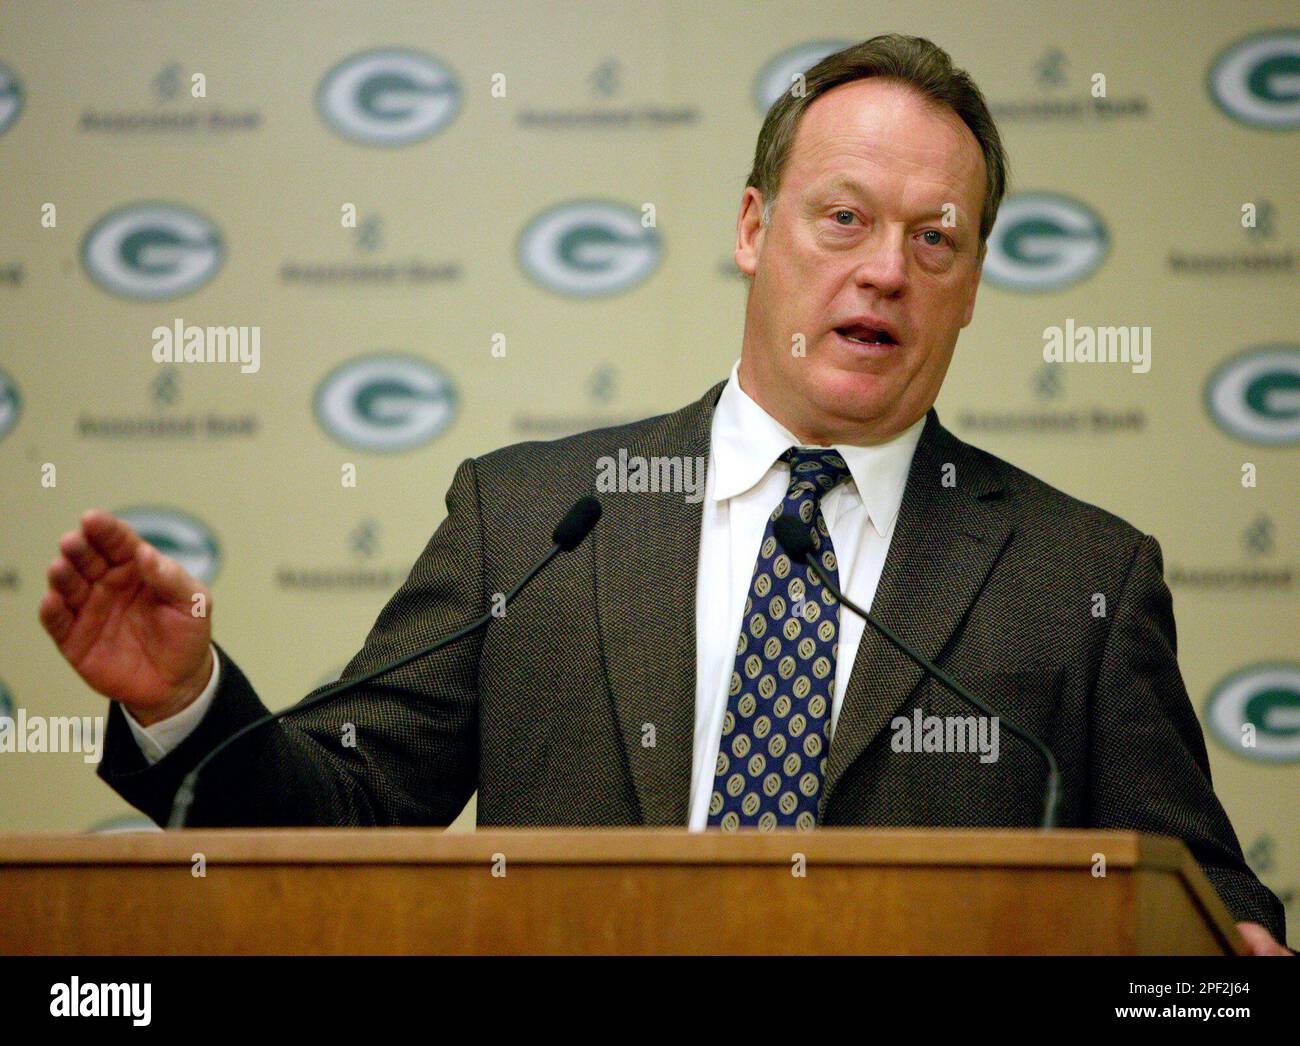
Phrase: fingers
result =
(110, 537)
(56, 617)
(1259, 940)
(71, 576)
(68, 582)
(104, 543)
(164, 575)
(89, 563)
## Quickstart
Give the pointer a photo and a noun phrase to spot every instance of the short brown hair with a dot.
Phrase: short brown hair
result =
(911, 60)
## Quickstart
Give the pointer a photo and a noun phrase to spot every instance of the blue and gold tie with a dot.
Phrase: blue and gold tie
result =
(776, 733)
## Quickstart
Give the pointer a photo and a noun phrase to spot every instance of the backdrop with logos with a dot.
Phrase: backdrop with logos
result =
(418, 232)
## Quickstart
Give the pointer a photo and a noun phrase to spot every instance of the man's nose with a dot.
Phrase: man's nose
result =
(883, 262)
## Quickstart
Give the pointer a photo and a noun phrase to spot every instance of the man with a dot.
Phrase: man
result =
(677, 668)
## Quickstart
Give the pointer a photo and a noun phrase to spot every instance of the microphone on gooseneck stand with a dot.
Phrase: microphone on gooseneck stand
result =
(569, 534)
(796, 540)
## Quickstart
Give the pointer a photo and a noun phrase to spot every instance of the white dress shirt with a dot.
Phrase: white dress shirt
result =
(745, 484)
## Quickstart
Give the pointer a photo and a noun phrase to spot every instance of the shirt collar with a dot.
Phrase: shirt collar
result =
(747, 440)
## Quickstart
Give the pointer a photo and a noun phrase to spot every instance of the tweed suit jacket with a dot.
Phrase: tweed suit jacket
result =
(994, 575)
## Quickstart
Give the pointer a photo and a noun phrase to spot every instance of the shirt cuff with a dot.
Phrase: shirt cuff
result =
(157, 740)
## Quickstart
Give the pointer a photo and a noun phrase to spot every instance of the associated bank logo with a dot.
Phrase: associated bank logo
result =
(1256, 713)
(385, 403)
(1256, 396)
(1043, 242)
(11, 404)
(777, 76)
(388, 97)
(589, 248)
(182, 537)
(1257, 80)
(152, 251)
(11, 98)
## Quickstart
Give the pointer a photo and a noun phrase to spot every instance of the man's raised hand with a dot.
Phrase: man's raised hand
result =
(127, 619)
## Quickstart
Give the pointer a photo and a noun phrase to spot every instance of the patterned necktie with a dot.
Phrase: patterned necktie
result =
(775, 735)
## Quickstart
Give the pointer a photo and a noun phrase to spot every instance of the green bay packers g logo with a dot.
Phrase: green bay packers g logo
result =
(1043, 242)
(388, 97)
(178, 535)
(1265, 698)
(385, 402)
(6, 702)
(1256, 396)
(588, 248)
(777, 76)
(11, 98)
(152, 251)
(11, 404)
(1257, 80)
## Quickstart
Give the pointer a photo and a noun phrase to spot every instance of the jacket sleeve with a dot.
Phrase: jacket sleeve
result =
(1149, 770)
(400, 750)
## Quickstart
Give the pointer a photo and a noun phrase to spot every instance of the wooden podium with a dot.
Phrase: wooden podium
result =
(607, 891)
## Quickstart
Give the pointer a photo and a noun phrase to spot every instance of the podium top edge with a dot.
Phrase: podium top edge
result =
(1064, 848)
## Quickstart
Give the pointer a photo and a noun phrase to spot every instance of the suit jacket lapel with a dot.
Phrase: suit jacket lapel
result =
(946, 541)
(647, 549)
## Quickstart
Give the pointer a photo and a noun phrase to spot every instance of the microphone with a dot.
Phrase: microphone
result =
(795, 538)
(569, 534)
(573, 528)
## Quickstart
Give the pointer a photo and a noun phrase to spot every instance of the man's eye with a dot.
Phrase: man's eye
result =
(937, 237)
(842, 213)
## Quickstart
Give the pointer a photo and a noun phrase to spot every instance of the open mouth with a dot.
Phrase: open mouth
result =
(866, 335)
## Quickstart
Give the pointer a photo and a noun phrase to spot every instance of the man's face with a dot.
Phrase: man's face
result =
(858, 259)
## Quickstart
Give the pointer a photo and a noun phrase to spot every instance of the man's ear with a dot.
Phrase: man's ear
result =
(749, 231)
(975, 286)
